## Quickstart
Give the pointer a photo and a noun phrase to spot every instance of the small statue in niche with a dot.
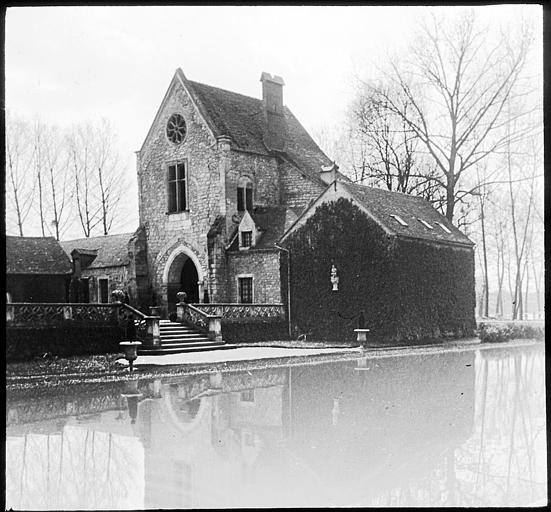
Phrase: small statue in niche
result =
(334, 279)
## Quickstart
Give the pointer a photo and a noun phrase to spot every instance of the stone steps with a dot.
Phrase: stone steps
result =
(177, 338)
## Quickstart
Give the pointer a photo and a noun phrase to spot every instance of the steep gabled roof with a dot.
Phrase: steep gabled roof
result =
(388, 209)
(112, 250)
(241, 118)
(36, 255)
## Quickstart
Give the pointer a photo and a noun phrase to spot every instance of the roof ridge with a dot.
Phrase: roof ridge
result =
(387, 191)
(193, 82)
(97, 236)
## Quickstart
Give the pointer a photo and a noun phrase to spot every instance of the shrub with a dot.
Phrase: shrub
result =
(497, 333)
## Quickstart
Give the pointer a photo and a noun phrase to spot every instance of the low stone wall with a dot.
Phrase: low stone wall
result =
(25, 343)
(250, 331)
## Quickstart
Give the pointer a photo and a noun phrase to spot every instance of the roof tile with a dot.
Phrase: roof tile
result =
(36, 255)
(383, 204)
(241, 118)
(112, 250)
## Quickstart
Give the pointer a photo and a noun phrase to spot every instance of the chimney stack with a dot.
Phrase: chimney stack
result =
(275, 127)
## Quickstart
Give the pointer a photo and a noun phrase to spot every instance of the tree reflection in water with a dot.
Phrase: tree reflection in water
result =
(451, 429)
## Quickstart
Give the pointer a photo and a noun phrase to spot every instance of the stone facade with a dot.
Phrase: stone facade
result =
(264, 268)
(217, 155)
(186, 231)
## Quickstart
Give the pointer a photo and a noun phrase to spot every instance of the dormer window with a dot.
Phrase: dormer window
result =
(445, 228)
(399, 220)
(244, 194)
(425, 223)
(246, 238)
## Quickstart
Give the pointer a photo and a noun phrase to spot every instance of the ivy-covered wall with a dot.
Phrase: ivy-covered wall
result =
(408, 290)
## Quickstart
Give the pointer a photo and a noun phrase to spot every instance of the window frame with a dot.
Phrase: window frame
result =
(239, 296)
(242, 239)
(100, 279)
(177, 191)
(245, 194)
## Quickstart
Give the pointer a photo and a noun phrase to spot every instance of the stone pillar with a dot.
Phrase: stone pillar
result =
(180, 311)
(201, 288)
(67, 312)
(215, 328)
(153, 331)
(224, 148)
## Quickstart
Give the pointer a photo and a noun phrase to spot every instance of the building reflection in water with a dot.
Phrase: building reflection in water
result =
(455, 429)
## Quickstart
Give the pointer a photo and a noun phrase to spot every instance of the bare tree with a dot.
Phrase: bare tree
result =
(390, 153)
(60, 193)
(21, 184)
(98, 182)
(521, 226)
(79, 148)
(109, 176)
(457, 83)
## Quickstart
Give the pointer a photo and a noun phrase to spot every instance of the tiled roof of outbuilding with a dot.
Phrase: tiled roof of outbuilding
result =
(241, 118)
(384, 203)
(112, 250)
(36, 255)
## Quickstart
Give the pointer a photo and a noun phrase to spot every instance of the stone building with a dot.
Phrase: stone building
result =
(105, 263)
(221, 176)
(396, 261)
(224, 179)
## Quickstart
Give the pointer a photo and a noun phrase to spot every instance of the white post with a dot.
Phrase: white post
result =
(201, 288)
(180, 311)
(215, 328)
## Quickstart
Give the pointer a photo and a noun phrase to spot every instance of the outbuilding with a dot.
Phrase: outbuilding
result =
(389, 255)
(37, 270)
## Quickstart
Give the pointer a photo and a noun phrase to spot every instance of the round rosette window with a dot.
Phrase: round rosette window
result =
(176, 129)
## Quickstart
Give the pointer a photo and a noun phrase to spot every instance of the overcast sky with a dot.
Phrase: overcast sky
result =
(71, 64)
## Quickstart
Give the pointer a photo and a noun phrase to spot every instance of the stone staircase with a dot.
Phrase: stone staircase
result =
(177, 338)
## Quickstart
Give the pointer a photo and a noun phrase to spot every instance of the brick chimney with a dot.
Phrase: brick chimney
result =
(275, 127)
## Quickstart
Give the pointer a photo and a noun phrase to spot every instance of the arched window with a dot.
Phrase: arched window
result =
(244, 194)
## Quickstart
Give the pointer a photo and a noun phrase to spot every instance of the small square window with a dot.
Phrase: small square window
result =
(246, 238)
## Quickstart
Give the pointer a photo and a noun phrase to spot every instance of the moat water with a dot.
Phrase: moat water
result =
(450, 429)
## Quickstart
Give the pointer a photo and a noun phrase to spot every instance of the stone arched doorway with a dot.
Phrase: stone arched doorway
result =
(183, 275)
